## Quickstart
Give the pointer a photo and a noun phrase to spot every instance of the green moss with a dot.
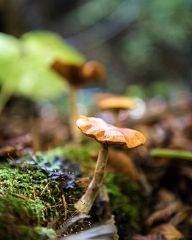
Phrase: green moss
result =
(126, 202)
(29, 202)
(45, 233)
(19, 218)
(27, 232)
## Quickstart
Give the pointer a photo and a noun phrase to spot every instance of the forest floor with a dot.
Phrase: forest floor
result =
(146, 193)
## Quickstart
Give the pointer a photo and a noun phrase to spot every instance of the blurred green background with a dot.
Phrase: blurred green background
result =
(145, 42)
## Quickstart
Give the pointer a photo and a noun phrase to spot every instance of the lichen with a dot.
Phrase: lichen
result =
(82, 154)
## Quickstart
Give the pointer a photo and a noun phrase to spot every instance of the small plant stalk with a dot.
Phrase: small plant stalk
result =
(86, 201)
(169, 153)
(4, 97)
(73, 114)
(35, 134)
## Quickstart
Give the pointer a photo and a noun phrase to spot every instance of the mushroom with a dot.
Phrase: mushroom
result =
(105, 134)
(116, 104)
(77, 76)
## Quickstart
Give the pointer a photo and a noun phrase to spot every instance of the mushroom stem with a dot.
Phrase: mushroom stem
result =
(116, 117)
(86, 201)
(73, 113)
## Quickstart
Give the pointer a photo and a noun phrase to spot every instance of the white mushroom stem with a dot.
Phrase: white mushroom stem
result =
(73, 113)
(86, 201)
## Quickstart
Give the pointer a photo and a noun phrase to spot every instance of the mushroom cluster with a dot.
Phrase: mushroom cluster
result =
(105, 134)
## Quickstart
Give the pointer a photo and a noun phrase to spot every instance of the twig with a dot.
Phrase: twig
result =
(34, 194)
(45, 188)
(169, 153)
(56, 205)
(20, 196)
(72, 221)
(65, 206)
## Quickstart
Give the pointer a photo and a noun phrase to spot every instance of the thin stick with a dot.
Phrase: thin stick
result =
(65, 206)
(56, 205)
(45, 188)
(34, 194)
(85, 203)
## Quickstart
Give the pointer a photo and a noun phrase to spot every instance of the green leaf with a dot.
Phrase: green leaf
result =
(9, 47)
(9, 55)
(39, 83)
(49, 46)
(25, 64)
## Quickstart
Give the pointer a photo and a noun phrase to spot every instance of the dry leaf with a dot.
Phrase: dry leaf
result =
(121, 162)
(169, 232)
(163, 214)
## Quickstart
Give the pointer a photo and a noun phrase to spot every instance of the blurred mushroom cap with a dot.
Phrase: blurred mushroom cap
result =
(93, 70)
(116, 102)
(70, 72)
(79, 74)
(106, 133)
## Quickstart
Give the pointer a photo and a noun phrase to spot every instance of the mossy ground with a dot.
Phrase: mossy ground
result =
(32, 206)
(22, 204)
(126, 202)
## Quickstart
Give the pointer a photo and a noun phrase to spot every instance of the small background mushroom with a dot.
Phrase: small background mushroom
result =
(116, 104)
(77, 75)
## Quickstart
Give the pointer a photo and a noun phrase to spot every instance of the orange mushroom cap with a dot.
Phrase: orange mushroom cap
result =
(106, 133)
(116, 102)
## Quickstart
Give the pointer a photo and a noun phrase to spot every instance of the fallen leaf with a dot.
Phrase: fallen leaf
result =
(169, 232)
